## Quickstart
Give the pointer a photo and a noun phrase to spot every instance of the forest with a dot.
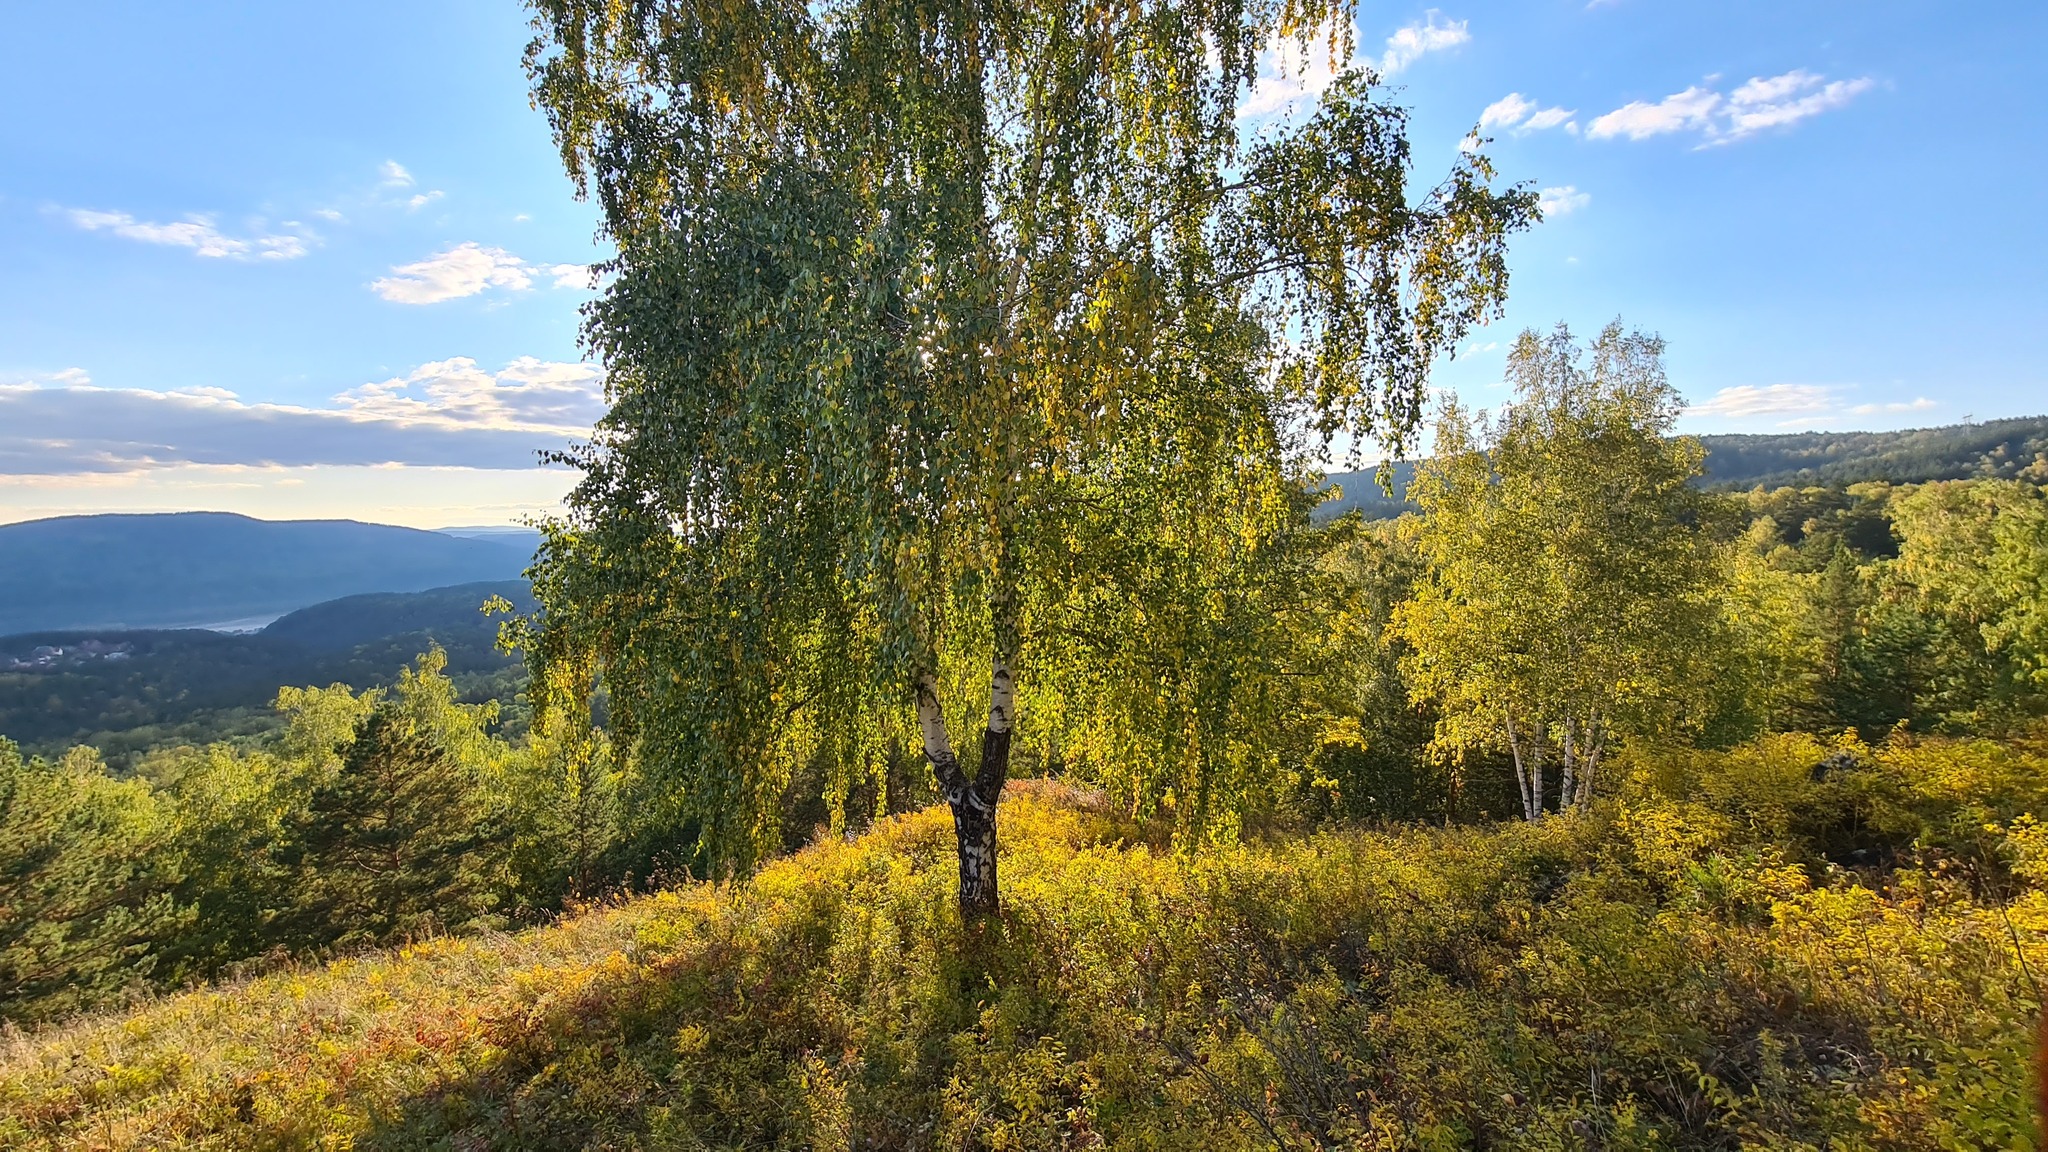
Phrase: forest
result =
(949, 718)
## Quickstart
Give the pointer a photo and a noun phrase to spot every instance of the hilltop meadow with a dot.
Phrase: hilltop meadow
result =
(1803, 900)
(947, 717)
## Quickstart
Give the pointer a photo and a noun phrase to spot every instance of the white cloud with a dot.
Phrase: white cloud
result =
(573, 276)
(449, 413)
(415, 203)
(1563, 200)
(464, 270)
(1291, 76)
(527, 394)
(1750, 400)
(1754, 106)
(1692, 108)
(1413, 42)
(1524, 115)
(1917, 404)
(1507, 111)
(196, 232)
(395, 175)
(1787, 99)
(470, 268)
(414, 495)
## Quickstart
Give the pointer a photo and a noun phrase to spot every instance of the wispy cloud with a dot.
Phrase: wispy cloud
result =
(468, 269)
(1412, 43)
(197, 232)
(393, 175)
(1563, 200)
(1524, 115)
(1507, 111)
(1748, 401)
(446, 413)
(528, 394)
(1693, 108)
(1787, 99)
(1294, 73)
(573, 276)
(1916, 404)
(1757, 104)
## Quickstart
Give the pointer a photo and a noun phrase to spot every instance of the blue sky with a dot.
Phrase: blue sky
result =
(320, 260)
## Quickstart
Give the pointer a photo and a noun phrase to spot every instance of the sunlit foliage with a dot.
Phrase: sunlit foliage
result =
(1570, 577)
(934, 326)
(1796, 943)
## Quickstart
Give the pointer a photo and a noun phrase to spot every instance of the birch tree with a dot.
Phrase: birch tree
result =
(1571, 577)
(892, 276)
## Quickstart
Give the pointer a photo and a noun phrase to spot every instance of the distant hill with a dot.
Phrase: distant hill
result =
(1361, 491)
(123, 689)
(194, 569)
(1916, 455)
(1800, 459)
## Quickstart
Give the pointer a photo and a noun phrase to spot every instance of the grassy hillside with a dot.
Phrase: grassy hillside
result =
(195, 569)
(1792, 944)
(2000, 448)
(194, 686)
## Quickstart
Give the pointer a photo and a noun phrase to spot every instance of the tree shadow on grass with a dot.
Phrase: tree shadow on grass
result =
(722, 1047)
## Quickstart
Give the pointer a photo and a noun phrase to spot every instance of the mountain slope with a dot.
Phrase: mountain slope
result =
(121, 690)
(2004, 448)
(189, 569)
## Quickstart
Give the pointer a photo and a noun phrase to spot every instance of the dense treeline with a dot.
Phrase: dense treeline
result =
(1565, 593)
(372, 817)
(1992, 449)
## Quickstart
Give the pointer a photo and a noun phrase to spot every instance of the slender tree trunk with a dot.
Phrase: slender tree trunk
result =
(1536, 742)
(1593, 750)
(973, 801)
(1567, 792)
(1521, 773)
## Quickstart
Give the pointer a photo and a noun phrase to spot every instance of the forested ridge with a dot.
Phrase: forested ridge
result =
(947, 715)
(124, 692)
(1989, 448)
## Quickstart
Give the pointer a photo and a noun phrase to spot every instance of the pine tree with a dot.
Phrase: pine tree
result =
(391, 846)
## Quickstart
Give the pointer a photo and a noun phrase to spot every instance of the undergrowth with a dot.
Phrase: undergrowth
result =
(1794, 944)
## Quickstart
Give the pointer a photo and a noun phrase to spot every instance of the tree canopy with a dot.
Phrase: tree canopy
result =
(1570, 577)
(899, 286)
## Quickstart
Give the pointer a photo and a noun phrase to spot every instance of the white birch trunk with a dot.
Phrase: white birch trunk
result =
(1593, 751)
(974, 801)
(1521, 772)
